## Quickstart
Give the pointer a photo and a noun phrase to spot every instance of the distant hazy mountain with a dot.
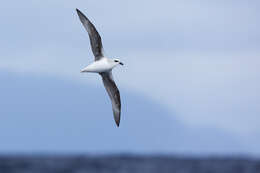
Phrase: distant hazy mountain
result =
(42, 114)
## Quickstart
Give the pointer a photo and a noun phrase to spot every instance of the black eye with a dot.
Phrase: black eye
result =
(116, 60)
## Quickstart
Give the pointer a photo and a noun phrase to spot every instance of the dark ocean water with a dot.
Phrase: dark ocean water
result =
(125, 164)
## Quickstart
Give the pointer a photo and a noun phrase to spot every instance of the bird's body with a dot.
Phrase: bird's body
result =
(102, 65)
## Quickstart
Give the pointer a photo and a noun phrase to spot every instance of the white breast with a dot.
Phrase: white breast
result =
(102, 65)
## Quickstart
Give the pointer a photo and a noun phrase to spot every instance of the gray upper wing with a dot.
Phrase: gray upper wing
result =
(95, 39)
(113, 93)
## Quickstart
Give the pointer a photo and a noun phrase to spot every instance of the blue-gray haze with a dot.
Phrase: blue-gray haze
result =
(189, 85)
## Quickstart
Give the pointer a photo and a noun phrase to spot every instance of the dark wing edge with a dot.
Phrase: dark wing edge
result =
(113, 93)
(95, 39)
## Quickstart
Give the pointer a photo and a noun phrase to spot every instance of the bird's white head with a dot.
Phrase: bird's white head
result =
(117, 61)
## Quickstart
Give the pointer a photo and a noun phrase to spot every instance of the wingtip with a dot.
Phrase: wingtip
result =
(117, 122)
(81, 15)
(78, 11)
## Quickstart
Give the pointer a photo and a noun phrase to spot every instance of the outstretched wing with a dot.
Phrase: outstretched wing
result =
(113, 93)
(95, 39)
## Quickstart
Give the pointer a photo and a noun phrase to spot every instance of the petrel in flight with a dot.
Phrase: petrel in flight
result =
(102, 65)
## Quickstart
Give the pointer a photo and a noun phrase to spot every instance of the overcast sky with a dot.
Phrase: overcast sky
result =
(198, 58)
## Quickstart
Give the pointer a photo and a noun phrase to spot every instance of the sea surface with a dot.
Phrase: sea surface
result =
(125, 164)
